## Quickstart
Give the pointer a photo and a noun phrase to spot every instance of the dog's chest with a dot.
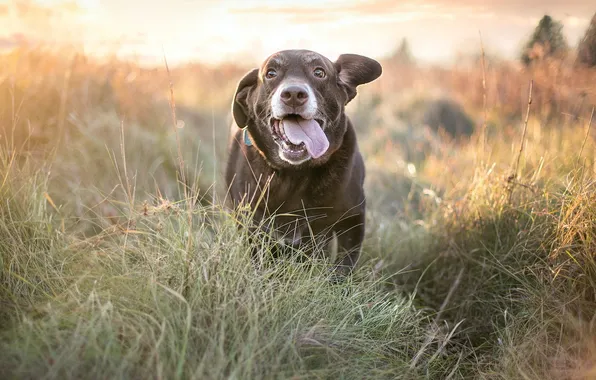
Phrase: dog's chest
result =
(297, 207)
(287, 193)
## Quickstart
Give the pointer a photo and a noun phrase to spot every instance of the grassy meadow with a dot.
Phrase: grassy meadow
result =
(119, 261)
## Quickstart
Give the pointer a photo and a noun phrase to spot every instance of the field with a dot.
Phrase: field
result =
(118, 259)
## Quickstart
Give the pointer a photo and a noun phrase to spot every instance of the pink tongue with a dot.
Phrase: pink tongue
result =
(309, 132)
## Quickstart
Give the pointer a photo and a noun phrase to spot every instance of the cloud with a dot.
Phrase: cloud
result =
(6, 43)
(4, 10)
(13, 40)
(371, 7)
(390, 9)
(28, 10)
(530, 7)
(328, 12)
(31, 10)
(54, 22)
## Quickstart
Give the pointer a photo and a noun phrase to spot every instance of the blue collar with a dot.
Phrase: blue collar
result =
(245, 137)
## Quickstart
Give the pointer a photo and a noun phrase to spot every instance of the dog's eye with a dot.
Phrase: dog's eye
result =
(319, 73)
(271, 74)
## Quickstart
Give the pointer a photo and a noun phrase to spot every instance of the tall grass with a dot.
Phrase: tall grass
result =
(113, 306)
(113, 267)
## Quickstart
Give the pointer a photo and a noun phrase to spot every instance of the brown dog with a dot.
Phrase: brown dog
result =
(294, 156)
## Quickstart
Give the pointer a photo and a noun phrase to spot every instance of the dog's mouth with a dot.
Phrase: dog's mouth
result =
(298, 136)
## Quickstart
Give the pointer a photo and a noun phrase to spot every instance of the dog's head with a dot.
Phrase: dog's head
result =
(293, 105)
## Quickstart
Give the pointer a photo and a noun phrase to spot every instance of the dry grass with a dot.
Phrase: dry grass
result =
(479, 261)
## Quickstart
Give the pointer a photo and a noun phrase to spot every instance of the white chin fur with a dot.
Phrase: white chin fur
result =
(290, 161)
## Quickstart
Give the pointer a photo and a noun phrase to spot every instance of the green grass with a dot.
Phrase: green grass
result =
(178, 297)
(113, 267)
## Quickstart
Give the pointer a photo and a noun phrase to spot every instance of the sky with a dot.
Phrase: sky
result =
(214, 31)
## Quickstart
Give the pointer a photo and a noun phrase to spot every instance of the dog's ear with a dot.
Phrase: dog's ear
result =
(354, 70)
(240, 102)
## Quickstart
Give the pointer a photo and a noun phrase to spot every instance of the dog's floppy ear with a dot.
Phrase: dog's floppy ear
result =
(354, 70)
(240, 102)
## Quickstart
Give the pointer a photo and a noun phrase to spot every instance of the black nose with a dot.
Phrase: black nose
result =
(294, 95)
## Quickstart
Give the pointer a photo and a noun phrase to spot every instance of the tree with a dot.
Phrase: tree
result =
(547, 40)
(403, 54)
(586, 53)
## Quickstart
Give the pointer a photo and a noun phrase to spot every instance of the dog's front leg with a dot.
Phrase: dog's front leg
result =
(350, 234)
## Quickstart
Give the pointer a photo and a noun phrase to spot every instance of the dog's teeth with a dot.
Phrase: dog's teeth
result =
(282, 132)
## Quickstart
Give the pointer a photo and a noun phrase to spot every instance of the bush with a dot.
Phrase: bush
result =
(546, 41)
(586, 53)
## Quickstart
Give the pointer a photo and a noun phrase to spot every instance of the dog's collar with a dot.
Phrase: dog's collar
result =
(245, 137)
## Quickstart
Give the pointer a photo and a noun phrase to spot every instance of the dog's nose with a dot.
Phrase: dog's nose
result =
(294, 95)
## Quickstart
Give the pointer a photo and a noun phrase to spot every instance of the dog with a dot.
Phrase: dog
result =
(293, 154)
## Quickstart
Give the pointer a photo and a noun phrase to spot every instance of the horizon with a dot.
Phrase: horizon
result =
(214, 32)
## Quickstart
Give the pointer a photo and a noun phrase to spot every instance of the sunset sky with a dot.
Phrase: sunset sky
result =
(213, 31)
